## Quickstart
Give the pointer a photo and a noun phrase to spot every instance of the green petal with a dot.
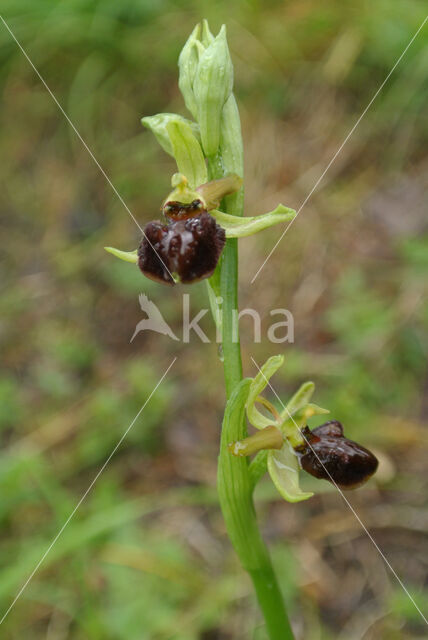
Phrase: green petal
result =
(258, 384)
(127, 256)
(213, 192)
(283, 468)
(294, 422)
(300, 398)
(237, 227)
(304, 412)
(187, 153)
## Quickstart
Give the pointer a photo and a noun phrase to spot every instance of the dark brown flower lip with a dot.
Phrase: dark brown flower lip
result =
(329, 455)
(188, 248)
(182, 211)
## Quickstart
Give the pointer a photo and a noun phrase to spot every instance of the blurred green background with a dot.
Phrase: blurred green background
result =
(146, 555)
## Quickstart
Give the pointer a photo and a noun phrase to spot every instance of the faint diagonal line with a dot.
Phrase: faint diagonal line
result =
(340, 148)
(378, 549)
(52, 95)
(36, 568)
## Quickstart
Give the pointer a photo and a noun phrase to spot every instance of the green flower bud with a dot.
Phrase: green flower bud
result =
(158, 125)
(187, 64)
(206, 36)
(212, 86)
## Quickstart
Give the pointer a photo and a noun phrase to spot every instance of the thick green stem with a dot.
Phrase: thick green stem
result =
(234, 481)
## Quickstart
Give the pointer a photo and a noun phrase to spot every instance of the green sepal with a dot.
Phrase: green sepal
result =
(127, 256)
(258, 384)
(237, 227)
(187, 153)
(283, 468)
(158, 126)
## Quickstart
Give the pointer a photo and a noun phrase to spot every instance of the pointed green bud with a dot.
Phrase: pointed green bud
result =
(187, 64)
(158, 126)
(212, 86)
(206, 36)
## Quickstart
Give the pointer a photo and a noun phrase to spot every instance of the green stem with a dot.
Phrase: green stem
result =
(234, 481)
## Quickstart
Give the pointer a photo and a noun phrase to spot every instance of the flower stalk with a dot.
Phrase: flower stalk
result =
(235, 484)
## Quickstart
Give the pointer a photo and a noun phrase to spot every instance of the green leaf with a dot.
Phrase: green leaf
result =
(187, 152)
(258, 466)
(158, 126)
(237, 227)
(283, 468)
(233, 482)
(258, 384)
(127, 256)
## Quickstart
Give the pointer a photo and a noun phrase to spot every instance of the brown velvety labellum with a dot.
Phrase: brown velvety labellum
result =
(181, 211)
(189, 248)
(329, 455)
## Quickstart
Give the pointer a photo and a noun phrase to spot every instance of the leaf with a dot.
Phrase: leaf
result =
(258, 466)
(237, 227)
(187, 153)
(233, 482)
(258, 384)
(283, 468)
(158, 126)
(127, 256)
